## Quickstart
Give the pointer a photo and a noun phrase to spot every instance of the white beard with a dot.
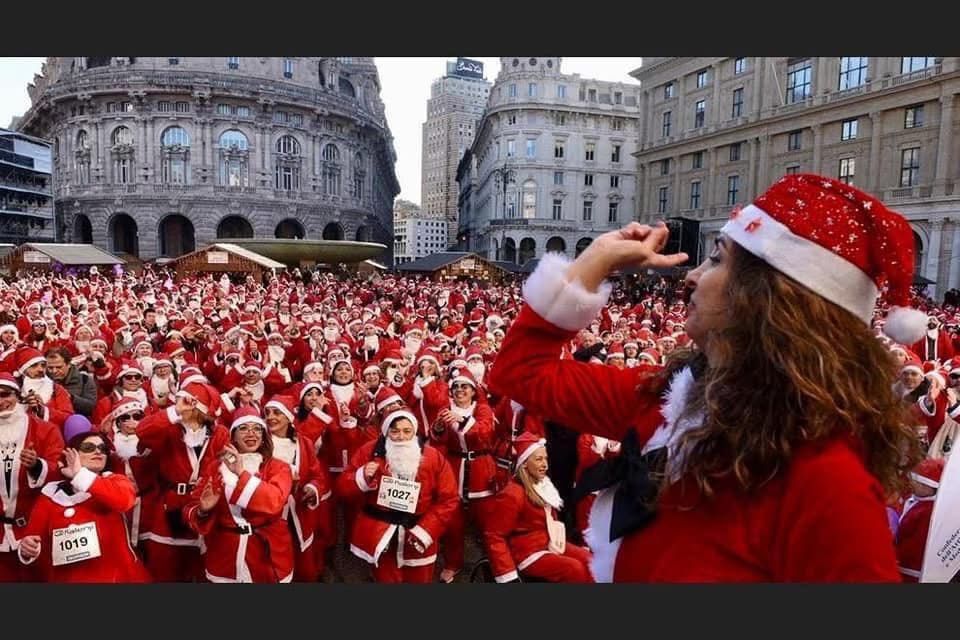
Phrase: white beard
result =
(331, 335)
(13, 425)
(477, 369)
(256, 390)
(42, 386)
(194, 437)
(161, 387)
(371, 343)
(413, 345)
(546, 490)
(284, 318)
(276, 354)
(251, 462)
(342, 393)
(146, 363)
(403, 458)
(84, 346)
(125, 445)
(615, 317)
(139, 394)
(284, 448)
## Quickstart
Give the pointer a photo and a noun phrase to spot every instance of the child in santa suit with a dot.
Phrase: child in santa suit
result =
(915, 518)
(523, 535)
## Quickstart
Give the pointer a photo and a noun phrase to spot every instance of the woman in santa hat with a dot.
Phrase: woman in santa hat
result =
(311, 483)
(129, 385)
(429, 393)
(522, 535)
(786, 294)
(348, 406)
(914, 525)
(407, 496)
(78, 523)
(186, 440)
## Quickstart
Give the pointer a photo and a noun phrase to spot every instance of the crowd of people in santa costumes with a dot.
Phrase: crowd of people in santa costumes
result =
(245, 431)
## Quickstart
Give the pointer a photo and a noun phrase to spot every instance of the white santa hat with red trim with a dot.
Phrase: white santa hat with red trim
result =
(837, 241)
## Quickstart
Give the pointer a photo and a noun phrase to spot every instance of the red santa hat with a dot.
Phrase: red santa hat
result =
(247, 415)
(373, 367)
(125, 406)
(615, 351)
(337, 359)
(7, 380)
(252, 365)
(463, 375)
(129, 367)
(385, 397)
(932, 371)
(310, 366)
(912, 364)
(26, 357)
(837, 241)
(10, 327)
(191, 374)
(287, 405)
(394, 356)
(652, 355)
(474, 352)
(206, 396)
(393, 416)
(928, 472)
(526, 445)
(308, 387)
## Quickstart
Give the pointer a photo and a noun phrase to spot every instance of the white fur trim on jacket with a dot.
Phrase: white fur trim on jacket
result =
(361, 481)
(42, 478)
(83, 479)
(422, 535)
(248, 490)
(567, 305)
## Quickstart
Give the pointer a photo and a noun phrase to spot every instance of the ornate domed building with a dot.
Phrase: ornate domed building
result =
(157, 156)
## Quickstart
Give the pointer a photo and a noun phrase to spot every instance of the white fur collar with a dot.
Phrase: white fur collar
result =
(668, 434)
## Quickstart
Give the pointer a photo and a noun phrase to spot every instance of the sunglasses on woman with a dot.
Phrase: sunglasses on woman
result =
(89, 447)
(138, 415)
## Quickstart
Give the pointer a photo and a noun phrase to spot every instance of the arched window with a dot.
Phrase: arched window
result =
(122, 136)
(175, 151)
(529, 199)
(81, 158)
(528, 250)
(359, 174)
(122, 151)
(288, 145)
(582, 245)
(331, 170)
(331, 153)
(346, 88)
(287, 164)
(234, 159)
(175, 137)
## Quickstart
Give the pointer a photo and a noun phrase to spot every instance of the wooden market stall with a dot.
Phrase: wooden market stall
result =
(454, 265)
(57, 257)
(224, 257)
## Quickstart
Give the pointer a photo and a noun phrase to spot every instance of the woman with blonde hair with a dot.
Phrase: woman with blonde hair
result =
(764, 453)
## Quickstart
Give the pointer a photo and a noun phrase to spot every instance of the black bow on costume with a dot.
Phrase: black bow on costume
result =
(637, 475)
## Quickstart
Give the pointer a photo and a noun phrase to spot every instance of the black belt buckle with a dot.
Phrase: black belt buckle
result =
(183, 488)
(244, 529)
(20, 522)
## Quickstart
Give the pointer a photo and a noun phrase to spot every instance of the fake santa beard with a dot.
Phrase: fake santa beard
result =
(13, 424)
(251, 462)
(412, 345)
(146, 363)
(477, 369)
(342, 393)
(83, 346)
(331, 334)
(548, 492)
(403, 458)
(125, 445)
(256, 390)
(276, 353)
(371, 343)
(42, 386)
(161, 387)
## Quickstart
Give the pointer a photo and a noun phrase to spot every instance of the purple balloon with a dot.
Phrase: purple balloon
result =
(74, 425)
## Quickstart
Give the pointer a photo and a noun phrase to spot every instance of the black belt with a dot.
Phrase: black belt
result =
(408, 520)
(19, 522)
(244, 530)
(470, 455)
(504, 463)
(182, 488)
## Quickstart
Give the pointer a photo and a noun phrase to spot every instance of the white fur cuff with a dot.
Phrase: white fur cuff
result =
(507, 577)
(361, 481)
(422, 535)
(316, 493)
(83, 479)
(567, 305)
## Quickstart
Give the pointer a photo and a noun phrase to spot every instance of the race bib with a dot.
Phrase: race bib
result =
(399, 495)
(75, 543)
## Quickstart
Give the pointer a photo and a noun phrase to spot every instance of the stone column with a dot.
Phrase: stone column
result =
(954, 277)
(948, 240)
(876, 131)
(817, 148)
(711, 194)
(98, 146)
(932, 265)
(757, 89)
(676, 183)
(679, 123)
(754, 162)
(821, 83)
(716, 116)
(763, 172)
(944, 142)
(645, 196)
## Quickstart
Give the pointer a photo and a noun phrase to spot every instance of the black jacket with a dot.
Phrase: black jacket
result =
(82, 389)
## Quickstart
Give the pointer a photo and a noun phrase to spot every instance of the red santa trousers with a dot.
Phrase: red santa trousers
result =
(304, 562)
(572, 566)
(12, 570)
(171, 563)
(389, 573)
(452, 541)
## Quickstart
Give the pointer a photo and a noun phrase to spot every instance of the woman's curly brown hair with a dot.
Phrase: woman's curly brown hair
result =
(795, 369)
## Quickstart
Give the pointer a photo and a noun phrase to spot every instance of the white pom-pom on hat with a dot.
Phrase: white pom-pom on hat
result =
(905, 325)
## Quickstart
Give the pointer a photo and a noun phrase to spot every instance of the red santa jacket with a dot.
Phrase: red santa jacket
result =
(343, 440)
(510, 420)
(58, 408)
(935, 419)
(140, 469)
(309, 477)
(179, 467)
(246, 536)
(786, 531)
(98, 499)
(939, 348)
(19, 490)
(375, 526)
(912, 536)
(427, 398)
(469, 449)
(516, 535)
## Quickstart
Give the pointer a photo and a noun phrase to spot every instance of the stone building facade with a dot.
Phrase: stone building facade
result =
(552, 164)
(156, 156)
(718, 131)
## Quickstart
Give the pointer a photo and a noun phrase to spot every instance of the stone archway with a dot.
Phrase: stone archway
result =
(82, 229)
(333, 231)
(177, 236)
(363, 233)
(234, 227)
(582, 245)
(290, 228)
(528, 250)
(510, 250)
(124, 235)
(556, 244)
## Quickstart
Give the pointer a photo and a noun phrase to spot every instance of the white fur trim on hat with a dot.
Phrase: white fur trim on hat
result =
(12, 384)
(186, 394)
(522, 457)
(282, 409)
(911, 367)
(470, 382)
(248, 419)
(812, 265)
(10, 327)
(904, 325)
(29, 363)
(371, 368)
(310, 385)
(386, 402)
(394, 415)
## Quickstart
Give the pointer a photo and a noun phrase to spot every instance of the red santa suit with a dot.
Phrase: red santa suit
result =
(380, 534)
(935, 345)
(934, 418)
(56, 404)
(246, 536)
(912, 536)
(18, 488)
(89, 498)
(510, 421)
(138, 466)
(106, 405)
(785, 532)
(428, 397)
(343, 434)
(591, 449)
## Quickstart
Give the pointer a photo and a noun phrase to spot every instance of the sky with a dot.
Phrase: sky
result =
(405, 91)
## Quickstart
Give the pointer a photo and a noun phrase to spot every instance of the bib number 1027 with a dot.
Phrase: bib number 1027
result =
(398, 495)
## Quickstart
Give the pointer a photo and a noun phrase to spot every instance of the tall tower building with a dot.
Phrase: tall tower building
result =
(456, 104)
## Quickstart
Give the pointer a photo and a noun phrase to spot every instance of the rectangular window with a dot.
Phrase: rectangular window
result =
(561, 91)
(511, 148)
(662, 200)
(513, 91)
(558, 149)
(592, 95)
(532, 90)
(666, 124)
(695, 194)
(183, 107)
(910, 167)
(853, 72)
(668, 91)
(587, 210)
(233, 63)
(798, 81)
(588, 179)
(701, 78)
(665, 166)
(589, 151)
(558, 177)
(165, 107)
(297, 119)
(737, 110)
(560, 119)
(173, 60)
(909, 65)
(615, 154)
(614, 182)
(696, 160)
(735, 152)
(512, 119)
(616, 124)
(111, 107)
(531, 148)
(739, 66)
(222, 109)
(613, 212)
(127, 107)
(243, 112)
(699, 111)
(617, 97)
(848, 129)
(793, 141)
(733, 189)
(847, 170)
(913, 117)
(792, 169)
(557, 209)
(287, 68)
